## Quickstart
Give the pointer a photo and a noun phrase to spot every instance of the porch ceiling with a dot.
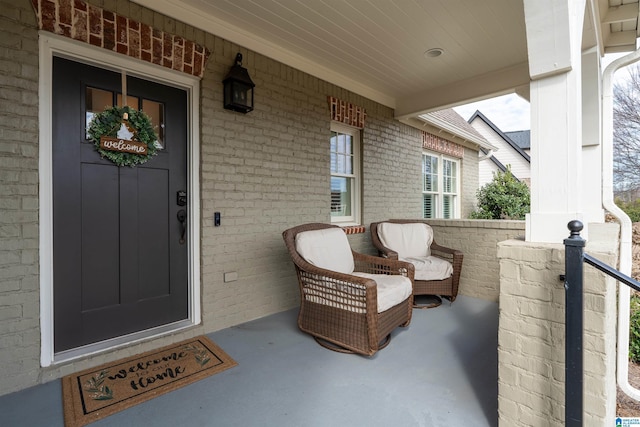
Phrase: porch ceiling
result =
(377, 48)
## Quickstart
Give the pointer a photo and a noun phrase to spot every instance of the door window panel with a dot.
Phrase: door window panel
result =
(155, 111)
(96, 101)
(132, 101)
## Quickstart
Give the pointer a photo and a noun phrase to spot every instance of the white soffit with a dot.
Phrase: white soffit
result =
(373, 47)
(376, 48)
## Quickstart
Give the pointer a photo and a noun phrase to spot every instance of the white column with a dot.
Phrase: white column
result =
(592, 137)
(554, 35)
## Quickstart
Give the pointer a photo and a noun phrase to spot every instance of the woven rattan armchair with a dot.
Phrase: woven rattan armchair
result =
(446, 286)
(341, 310)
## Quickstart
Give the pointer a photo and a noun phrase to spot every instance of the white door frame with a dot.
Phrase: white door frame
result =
(52, 45)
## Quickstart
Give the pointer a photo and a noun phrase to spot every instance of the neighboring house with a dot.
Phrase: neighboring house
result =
(508, 153)
(522, 138)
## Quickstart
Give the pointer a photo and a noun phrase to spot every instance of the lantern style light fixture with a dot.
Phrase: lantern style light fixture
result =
(238, 88)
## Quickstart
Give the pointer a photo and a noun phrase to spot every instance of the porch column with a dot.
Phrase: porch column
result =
(554, 35)
(591, 179)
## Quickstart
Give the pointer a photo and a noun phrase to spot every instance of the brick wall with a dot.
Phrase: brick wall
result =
(478, 240)
(268, 171)
(19, 278)
(392, 159)
(531, 336)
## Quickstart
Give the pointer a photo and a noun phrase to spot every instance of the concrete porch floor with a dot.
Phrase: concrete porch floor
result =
(440, 371)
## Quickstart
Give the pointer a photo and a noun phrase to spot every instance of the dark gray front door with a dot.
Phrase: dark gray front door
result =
(119, 265)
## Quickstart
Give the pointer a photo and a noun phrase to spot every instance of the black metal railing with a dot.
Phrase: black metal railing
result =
(573, 285)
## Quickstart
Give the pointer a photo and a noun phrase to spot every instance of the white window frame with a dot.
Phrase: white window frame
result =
(356, 176)
(439, 193)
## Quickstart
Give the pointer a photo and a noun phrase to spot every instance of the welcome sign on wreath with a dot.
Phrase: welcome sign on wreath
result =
(123, 135)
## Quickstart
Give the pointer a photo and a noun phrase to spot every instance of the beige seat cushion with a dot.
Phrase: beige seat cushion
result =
(392, 290)
(430, 268)
(327, 248)
(408, 240)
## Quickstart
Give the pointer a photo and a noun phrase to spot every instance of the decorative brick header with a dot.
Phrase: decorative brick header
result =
(347, 113)
(353, 229)
(441, 145)
(90, 24)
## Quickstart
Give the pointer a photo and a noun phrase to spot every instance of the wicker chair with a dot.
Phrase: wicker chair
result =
(340, 309)
(447, 286)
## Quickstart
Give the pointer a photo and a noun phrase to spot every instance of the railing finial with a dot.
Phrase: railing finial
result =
(575, 227)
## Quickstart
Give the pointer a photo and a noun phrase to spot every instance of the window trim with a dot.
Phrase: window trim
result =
(356, 200)
(440, 193)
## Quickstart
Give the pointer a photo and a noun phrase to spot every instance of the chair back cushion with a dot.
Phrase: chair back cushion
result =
(408, 240)
(327, 248)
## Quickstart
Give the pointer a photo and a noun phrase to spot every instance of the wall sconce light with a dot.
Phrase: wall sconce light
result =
(238, 88)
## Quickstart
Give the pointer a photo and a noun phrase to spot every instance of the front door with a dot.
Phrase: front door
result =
(119, 252)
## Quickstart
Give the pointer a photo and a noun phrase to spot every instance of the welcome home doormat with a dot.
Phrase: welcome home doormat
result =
(104, 390)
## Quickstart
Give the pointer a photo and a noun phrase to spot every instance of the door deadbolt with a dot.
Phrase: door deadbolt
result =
(181, 198)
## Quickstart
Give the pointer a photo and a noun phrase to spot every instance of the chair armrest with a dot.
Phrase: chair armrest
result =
(443, 249)
(452, 255)
(383, 251)
(387, 253)
(378, 265)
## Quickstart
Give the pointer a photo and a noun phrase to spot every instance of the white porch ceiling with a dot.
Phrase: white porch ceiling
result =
(377, 47)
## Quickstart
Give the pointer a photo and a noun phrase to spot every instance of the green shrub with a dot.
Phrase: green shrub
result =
(634, 329)
(503, 198)
(630, 208)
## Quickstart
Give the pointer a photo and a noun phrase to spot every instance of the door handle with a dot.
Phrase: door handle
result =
(182, 217)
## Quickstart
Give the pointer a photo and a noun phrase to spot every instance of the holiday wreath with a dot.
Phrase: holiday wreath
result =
(124, 150)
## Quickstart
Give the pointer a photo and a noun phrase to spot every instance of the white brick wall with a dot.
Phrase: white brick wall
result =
(478, 240)
(531, 336)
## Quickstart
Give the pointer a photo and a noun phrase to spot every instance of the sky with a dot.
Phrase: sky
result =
(511, 112)
(507, 112)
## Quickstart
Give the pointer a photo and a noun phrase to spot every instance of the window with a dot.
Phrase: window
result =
(440, 177)
(345, 174)
(97, 100)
